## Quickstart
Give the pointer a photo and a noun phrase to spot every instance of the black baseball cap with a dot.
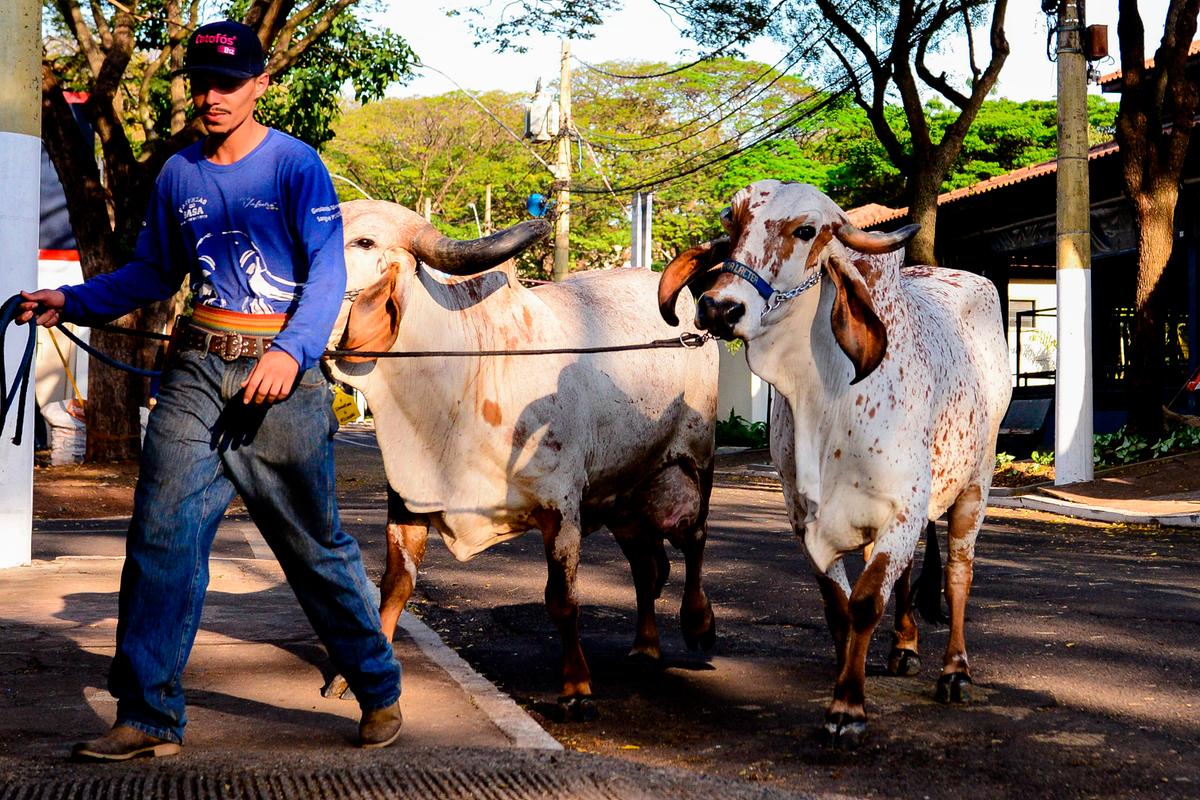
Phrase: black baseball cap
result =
(226, 48)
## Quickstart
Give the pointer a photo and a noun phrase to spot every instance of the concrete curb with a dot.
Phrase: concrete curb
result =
(504, 712)
(1055, 505)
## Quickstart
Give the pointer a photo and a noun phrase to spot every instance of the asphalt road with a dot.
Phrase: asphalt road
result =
(1084, 638)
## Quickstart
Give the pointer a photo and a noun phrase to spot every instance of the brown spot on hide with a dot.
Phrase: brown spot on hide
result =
(528, 318)
(870, 272)
(491, 413)
(859, 400)
(866, 601)
(780, 243)
(871, 413)
(822, 238)
(837, 453)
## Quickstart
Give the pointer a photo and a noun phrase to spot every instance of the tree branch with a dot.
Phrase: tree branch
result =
(101, 23)
(286, 54)
(939, 82)
(957, 130)
(73, 17)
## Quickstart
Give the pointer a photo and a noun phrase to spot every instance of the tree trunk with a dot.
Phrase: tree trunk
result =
(114, 397)
(923, 211)
(1156, 225)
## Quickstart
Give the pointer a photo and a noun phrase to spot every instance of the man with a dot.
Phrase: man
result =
(250, 214)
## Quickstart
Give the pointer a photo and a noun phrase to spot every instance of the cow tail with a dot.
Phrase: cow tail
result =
(929, 583)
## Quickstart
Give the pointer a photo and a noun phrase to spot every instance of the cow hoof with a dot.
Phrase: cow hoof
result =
(702, 636)
(954, 687)
(338, 688)
(844, 732)
(904, 663)
(577, 708)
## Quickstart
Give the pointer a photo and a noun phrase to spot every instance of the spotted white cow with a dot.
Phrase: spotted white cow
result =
(895, 381)
(484, 448)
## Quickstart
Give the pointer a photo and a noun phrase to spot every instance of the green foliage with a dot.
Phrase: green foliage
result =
(1003, 460)
(305, 100)
(1126, 447)
(1043, 457)
(737, 431)
(447, 149)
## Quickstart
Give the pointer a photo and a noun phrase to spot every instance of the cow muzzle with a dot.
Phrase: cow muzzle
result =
(719, 316)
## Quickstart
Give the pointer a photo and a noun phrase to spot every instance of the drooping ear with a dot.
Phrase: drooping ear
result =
(858, 330)
(692, 268)
(374, 320)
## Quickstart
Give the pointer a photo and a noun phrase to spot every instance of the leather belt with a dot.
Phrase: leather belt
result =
(228, 346)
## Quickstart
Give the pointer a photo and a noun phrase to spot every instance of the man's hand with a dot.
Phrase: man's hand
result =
(271, 379)
(46, 303)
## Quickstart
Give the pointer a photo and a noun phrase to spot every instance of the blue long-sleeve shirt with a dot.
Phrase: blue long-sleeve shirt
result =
(261, 236)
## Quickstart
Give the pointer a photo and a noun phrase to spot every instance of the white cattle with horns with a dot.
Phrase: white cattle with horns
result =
(484, 448)
(895, 381)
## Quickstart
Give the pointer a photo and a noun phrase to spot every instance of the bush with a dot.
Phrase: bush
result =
(1125, 447)
(737, 431)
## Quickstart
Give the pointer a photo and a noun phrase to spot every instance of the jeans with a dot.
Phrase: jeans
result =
(202, 444)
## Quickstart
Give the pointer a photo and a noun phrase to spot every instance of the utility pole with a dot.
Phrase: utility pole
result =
(20, 175)
(1073, 372)
(562, 169)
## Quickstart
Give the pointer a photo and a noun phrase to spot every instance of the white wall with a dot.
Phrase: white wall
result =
(1038, 347)
(738, 389)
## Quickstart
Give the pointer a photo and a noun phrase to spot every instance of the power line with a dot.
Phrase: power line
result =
(778, 75)
(488, 111)
(749, 29)
(673, 173)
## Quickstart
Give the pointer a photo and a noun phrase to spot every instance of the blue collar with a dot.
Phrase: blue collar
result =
(770, 296)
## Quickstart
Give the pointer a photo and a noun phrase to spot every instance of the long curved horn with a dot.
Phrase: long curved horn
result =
(472, 256)
(872, 242)
(685, 268)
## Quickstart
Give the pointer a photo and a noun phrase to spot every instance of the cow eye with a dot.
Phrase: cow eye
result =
(805, 232)
(365, 243)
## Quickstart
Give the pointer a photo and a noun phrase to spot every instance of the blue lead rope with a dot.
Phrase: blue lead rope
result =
(20, 388)
(109, 360)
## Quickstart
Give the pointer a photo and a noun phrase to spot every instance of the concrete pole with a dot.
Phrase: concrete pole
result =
(562, 225)
(648, 221)
(20, 175)
(1073, 384)
(635, 231)
(487, 210)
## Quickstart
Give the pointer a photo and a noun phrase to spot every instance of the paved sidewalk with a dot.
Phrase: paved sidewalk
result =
(255, 673)
(1162, 492)
(257, 720)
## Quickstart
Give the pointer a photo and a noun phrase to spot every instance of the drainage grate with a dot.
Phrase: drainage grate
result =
(378, 783)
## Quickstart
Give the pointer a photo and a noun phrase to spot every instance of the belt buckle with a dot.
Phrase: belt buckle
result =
(231, 347)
